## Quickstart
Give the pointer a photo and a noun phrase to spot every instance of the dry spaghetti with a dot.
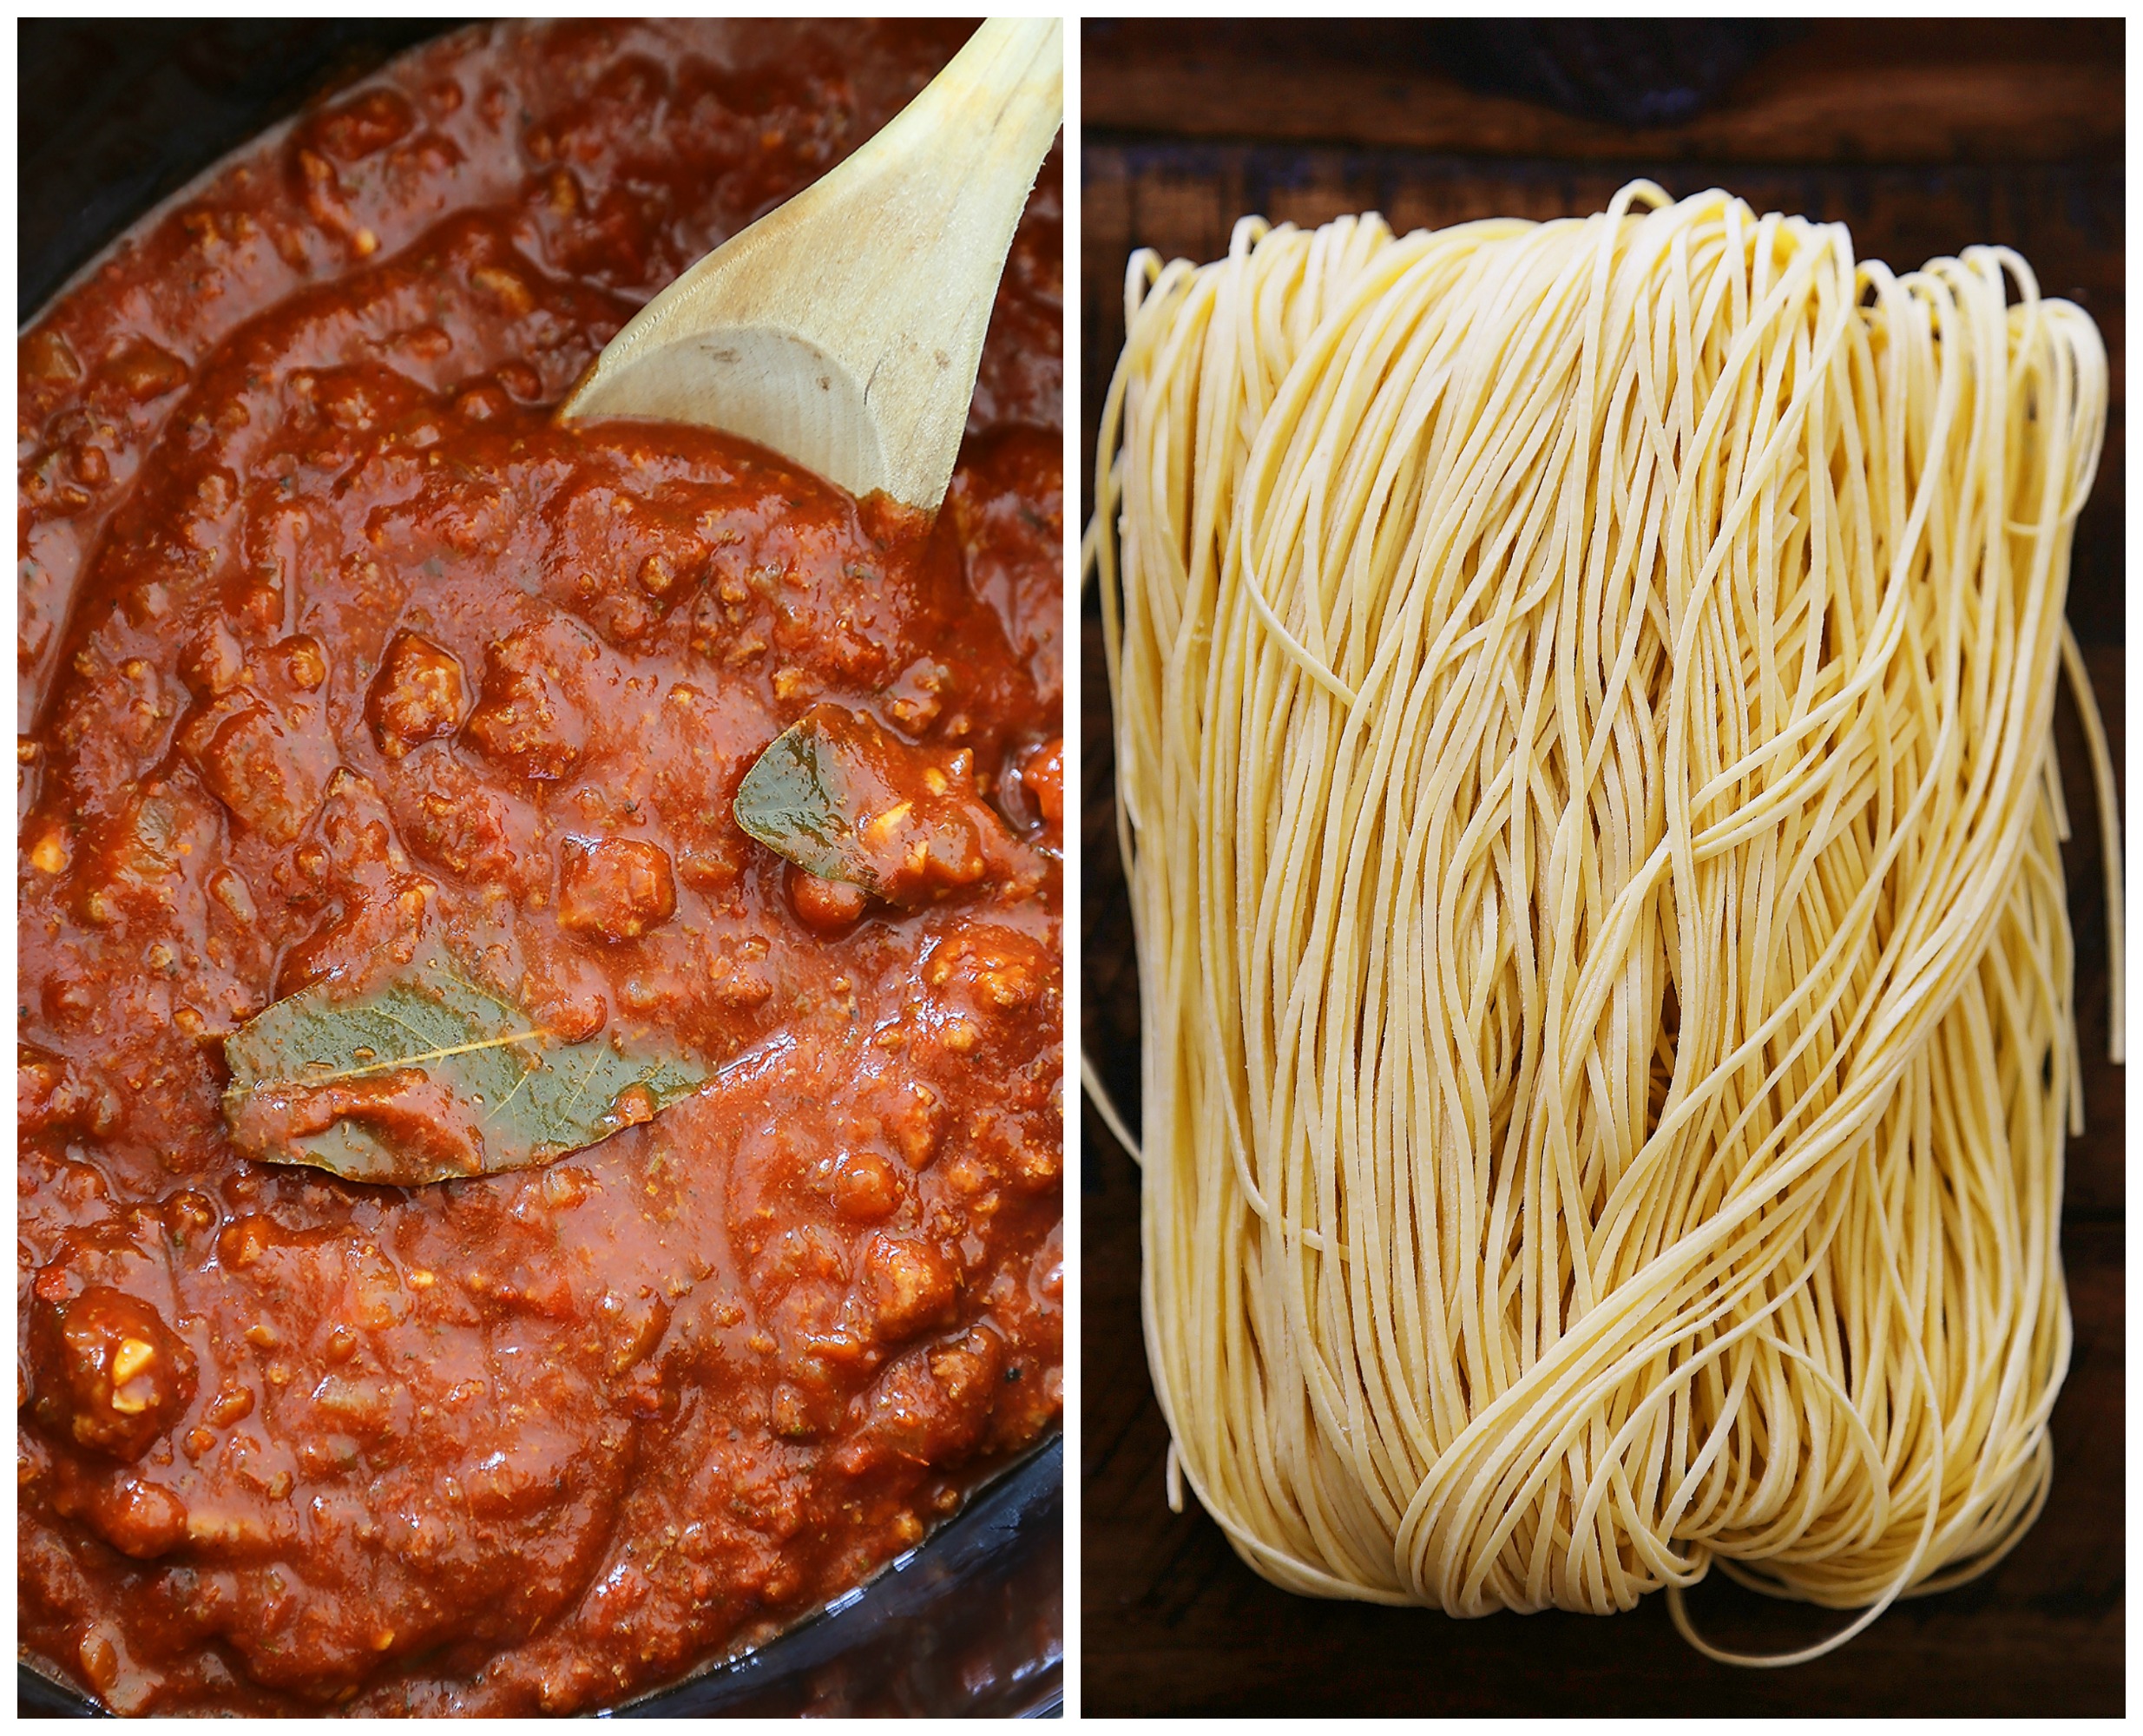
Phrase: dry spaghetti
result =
(1583, 695)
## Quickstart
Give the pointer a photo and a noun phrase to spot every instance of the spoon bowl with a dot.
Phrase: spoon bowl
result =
(843, 329)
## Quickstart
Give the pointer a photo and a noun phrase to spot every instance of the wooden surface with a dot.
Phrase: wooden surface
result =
(1887, 91)
(1174, 1622)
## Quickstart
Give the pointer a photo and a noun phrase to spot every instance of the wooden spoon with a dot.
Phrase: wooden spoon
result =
(843, 329)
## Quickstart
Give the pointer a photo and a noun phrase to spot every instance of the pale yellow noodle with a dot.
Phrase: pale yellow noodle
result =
(1583, 696)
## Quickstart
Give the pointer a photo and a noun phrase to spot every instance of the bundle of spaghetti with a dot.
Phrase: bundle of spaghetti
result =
(1584, 695)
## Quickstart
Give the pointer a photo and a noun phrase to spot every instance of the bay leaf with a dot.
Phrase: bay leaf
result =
(842, 797)
(427, 1077)
(799, 800)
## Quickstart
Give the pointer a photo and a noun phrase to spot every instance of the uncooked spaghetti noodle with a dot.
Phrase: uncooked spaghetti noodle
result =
(1583, 695)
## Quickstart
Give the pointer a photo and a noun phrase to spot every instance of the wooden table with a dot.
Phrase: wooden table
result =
(1924, 138)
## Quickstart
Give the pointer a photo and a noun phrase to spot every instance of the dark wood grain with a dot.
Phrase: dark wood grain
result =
(1174, 1622)
(1847, 91)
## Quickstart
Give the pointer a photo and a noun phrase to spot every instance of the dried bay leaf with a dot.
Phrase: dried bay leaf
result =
(798, 801)
(842, 799)
(429, 1077)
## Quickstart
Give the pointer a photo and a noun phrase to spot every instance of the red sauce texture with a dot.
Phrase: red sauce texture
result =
(338, 652)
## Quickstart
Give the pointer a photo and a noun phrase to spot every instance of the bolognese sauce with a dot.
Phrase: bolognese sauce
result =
(342, 656)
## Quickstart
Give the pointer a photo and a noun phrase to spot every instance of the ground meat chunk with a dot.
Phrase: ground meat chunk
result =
(267, 774)
(865, 1186)
(136, 865)
(614, 889)
(531, 719)
(145, 372)
(109, 1372)
(450, 816)
(418, 695)
(826, 905)
(50, 1094)
(933, 1403)
(911, 1286)
(991, 991)
(138, 1517)
(213, 663)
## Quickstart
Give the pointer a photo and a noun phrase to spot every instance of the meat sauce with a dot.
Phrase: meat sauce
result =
(338, 652)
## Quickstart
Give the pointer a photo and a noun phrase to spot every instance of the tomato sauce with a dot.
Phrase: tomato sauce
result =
(336, 651)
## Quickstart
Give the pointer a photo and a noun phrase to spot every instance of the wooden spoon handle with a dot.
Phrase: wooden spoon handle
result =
(845, 328)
